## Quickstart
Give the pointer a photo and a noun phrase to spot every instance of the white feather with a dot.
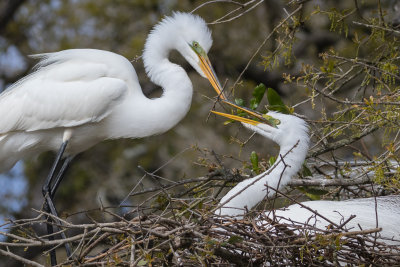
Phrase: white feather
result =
(95, 95)
(386, 215)
(292, 137)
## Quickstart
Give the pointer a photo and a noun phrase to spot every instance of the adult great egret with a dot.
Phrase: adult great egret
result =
(291, 134)
(77, 98)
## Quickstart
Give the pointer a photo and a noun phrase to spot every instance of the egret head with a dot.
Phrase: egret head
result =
(190, 36)
(283, 129)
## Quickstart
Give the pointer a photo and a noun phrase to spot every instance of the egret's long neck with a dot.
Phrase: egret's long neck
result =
(166, 111)
(248, 193)
(158, 115)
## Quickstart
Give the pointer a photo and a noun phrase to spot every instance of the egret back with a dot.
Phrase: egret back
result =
(386, 215)
(68, 89)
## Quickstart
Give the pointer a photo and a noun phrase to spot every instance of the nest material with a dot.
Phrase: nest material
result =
(188, 239)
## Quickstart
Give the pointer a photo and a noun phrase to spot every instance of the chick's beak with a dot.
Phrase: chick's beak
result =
(263, 118)
(248, 111)
(236, 118)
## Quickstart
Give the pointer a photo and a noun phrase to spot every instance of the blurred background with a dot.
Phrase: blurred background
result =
(106, 174)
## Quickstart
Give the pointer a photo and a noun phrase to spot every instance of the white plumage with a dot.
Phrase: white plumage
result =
(386, 215)
(292, 137)
(87, 95)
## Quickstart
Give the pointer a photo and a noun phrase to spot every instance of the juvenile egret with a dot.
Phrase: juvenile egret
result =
(79, 97)
(291, 134)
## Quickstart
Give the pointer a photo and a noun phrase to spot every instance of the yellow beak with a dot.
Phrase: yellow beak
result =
(236, 118)
(248, 111)
(208, 70)
(264, 118)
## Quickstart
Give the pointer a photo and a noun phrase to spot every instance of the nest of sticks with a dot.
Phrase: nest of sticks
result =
(185, 232)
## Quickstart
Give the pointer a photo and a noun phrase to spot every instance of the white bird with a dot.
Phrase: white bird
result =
(76, 98)
(84, 96)
(291, 134)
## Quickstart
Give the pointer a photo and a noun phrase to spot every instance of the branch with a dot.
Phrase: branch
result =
(353, 233)
(342, 143)
(330, 182)
(19, 258)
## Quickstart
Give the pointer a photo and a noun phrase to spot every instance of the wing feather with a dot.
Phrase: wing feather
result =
(62, 92)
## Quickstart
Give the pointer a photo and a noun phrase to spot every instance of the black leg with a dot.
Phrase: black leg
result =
(49, 194)
(53, 257)
(60, 175)
(53, 190)
(52, 209)
(50, 177)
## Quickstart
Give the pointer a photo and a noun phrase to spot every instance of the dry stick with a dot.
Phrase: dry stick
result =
(218, 1)
(110, 229)
(364, 63)
(341, 143)
(111, 250)
(19, 258)
(92, 245)
(303, 206)
(352, 233)
(132, 258)
(159, 168)
(218, 176)
(280, 178)
(329, 182)
(376, 27)
(346, 221)
(118, 247)
(241, 7)
(218, 21)
(336, 130)
(264, 42)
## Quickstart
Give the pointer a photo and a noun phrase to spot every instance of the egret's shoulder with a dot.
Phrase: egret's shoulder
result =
(76, 65)
(84, 54)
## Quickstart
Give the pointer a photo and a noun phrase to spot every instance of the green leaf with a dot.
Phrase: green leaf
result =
(271, 160)
(142, 263)
(275, 102)
(272, 121)
(239, 102)
(229, 122)
(254, 162)
(306, 171)
(313, 193)
(235, 239)
(258, 95)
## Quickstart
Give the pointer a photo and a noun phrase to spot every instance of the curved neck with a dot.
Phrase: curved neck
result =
(165, 112)
(158, 115)
(248, 193)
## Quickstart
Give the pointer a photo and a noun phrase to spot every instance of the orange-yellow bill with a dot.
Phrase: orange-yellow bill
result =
(263, 118)
(208, 70)
(236, 118)
(251, 112)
